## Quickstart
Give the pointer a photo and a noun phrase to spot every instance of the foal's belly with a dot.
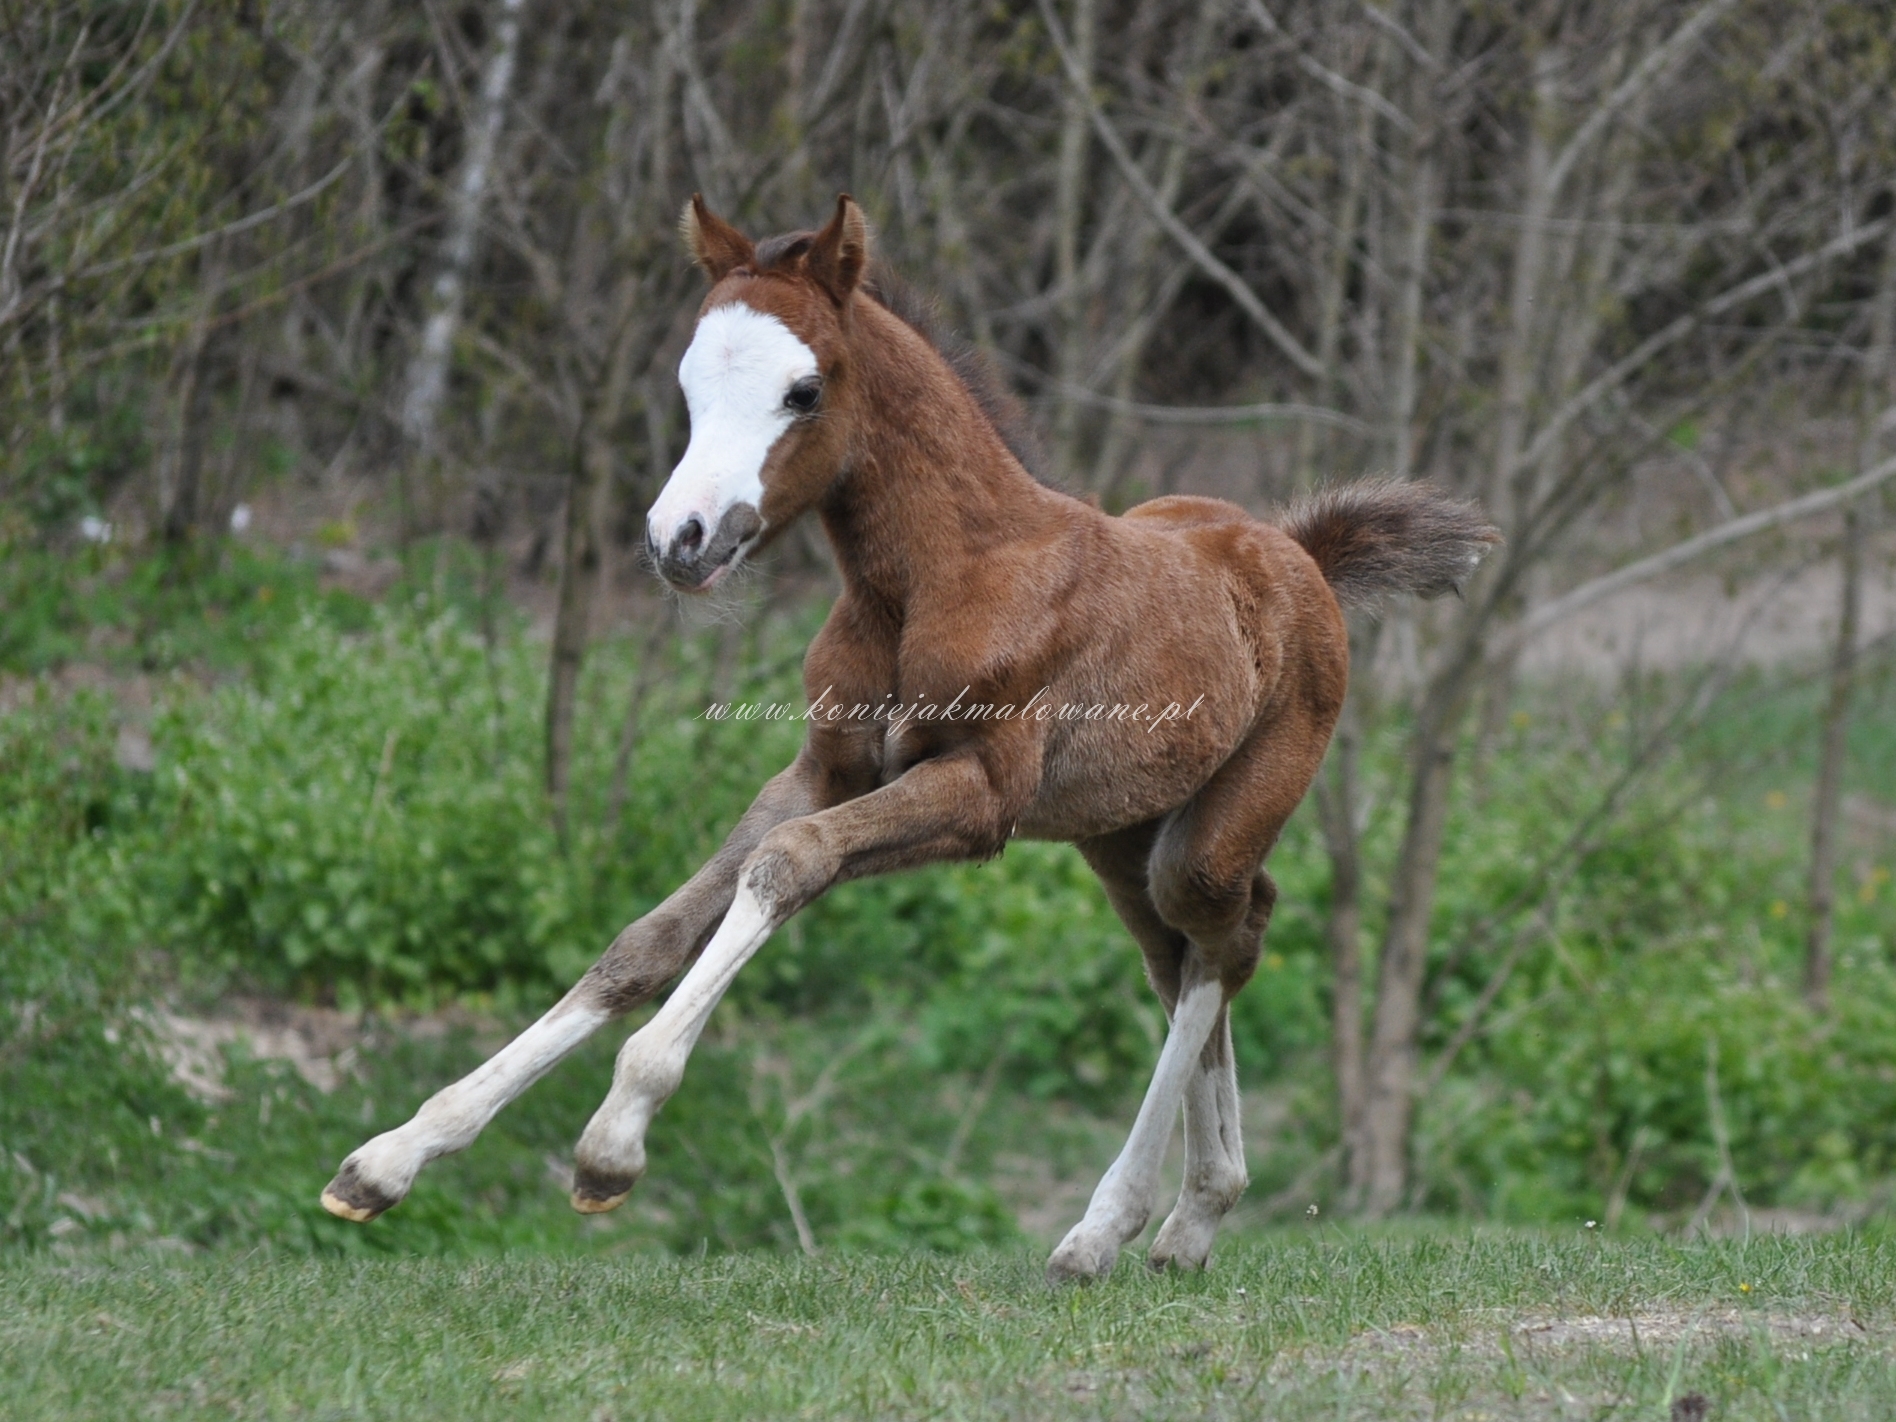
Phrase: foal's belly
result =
(1104, 774)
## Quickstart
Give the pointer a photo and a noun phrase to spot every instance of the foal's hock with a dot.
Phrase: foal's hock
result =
(1004, 660)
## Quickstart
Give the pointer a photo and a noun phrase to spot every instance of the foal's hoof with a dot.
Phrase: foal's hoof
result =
(1080, 1261)
(1185, 1246)
(350, 1197)
(594, 1194)
(1158, 1261)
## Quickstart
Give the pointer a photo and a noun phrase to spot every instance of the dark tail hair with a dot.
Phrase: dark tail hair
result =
(1377, 537)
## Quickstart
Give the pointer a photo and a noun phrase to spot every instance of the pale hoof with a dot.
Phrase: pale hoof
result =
(1183, 1243)
(1080, 1260)
(595, 1194)
(1192, 1255)
(350, 1197)
(343, 1210)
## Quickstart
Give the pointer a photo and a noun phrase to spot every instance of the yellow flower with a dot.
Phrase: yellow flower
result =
(1779, 908)
(1776, 800)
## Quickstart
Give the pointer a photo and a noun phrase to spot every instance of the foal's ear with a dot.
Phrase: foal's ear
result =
(715, 245)
(840, 251)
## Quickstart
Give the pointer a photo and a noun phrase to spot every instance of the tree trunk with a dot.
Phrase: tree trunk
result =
(588, 475)
(1836, 731)
(1069, 210)
(427, 380)
(1389, 1097)
(196, 396)
(1147, 295)
(1336, 809)
(1517, 365)
(1314, 441)
(1872, 394)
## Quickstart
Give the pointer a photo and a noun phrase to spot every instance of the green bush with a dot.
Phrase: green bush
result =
(353, 813)
(81, 1099)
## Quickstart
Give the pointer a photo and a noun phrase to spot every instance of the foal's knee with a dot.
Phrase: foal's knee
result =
(642, 959)
(793, 865)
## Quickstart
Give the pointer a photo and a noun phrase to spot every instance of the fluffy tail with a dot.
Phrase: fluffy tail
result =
(1378, 537)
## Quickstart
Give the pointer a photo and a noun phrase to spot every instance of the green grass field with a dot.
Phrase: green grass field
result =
(1413, 1322)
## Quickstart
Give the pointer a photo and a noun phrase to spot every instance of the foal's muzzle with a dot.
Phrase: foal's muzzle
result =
(693, 558)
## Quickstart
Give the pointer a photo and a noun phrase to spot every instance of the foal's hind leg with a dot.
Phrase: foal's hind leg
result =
(1204, 886)
(1215, 1170)
(1215, 1173)
(1206, 879)
(1214, 1153)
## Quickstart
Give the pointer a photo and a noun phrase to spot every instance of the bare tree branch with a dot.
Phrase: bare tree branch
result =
(1677, 556)
(1240, 292)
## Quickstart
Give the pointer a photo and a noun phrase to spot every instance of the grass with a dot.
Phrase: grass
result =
(1320, 1323)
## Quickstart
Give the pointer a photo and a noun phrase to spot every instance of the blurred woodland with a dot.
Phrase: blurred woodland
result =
(354, 278)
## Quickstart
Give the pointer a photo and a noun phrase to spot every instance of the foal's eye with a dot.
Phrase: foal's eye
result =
(802, 396)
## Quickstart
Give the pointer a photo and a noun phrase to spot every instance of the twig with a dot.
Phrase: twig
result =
(1623, 1183)
(1299, 1188)
(1235, 285)
(1680, 554)
(1727, 1176)
(1205, 414)
(794, 1112)
(983, 1093)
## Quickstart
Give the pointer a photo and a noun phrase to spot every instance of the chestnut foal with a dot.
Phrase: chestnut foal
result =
(1157, 689)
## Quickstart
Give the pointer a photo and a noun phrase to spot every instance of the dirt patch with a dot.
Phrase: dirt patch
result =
(1500, 1332)
(1668, 1328)
(1768, 621)
(321, 1044)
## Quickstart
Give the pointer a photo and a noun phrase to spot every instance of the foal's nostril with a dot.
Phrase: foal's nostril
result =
(690, 536)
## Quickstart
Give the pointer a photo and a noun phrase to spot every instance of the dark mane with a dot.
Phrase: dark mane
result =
(922, 314)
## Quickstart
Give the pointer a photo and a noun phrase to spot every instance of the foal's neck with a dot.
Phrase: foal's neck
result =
(928, 483)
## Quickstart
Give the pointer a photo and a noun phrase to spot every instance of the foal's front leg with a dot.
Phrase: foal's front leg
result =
(643, 958)
(939, 809)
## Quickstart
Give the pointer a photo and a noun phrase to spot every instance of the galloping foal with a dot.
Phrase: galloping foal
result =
(1004, 660)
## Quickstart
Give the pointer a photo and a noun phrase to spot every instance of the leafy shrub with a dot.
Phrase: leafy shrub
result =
(79, 1098)
(357, 816)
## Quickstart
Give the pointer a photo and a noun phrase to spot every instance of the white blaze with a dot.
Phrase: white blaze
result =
(735, 374)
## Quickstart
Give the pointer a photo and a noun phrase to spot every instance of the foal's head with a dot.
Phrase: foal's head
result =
(767, 383)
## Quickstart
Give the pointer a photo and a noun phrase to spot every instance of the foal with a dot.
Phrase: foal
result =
(1004, 660)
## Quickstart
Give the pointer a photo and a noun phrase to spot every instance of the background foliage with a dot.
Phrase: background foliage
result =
(335, 352)
(351, 813)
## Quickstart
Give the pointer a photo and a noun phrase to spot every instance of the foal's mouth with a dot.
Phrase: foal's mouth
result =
(697, 564)
(732, 557)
